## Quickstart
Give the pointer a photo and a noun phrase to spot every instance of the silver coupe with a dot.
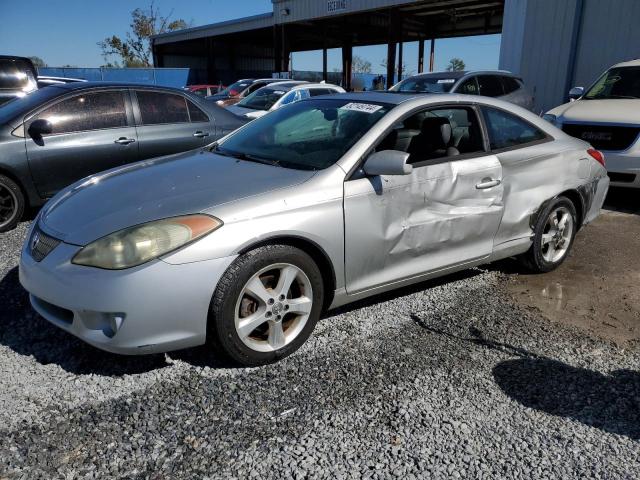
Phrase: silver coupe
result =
(243, 244)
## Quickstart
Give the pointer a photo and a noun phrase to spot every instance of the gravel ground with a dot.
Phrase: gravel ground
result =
(448, 379)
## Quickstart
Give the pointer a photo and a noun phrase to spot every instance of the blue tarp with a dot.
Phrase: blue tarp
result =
(169, 77)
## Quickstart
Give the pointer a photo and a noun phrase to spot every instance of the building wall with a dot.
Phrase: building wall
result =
(536, 44)
(557, 44)
(610, 34)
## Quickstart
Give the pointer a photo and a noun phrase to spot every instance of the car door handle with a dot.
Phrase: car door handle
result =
(125, 140)
(488, 183)
(201, 134)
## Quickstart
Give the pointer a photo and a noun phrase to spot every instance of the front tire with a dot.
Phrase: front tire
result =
(554, 232)
(266, 305)
(12, 204)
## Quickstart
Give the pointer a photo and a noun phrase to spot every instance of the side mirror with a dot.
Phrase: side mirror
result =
(40, 127)
(388, 162)
(575, 93)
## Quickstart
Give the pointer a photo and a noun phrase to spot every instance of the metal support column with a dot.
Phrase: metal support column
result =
(347, 66)
(421, 55)
(432, 55)
(324, 64)
(400, 43)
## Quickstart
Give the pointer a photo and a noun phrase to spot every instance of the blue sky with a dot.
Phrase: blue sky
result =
(66, 32)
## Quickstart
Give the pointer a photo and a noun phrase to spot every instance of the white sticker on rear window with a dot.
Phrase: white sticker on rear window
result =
(446, 80)
(361, 107)
(278, 92)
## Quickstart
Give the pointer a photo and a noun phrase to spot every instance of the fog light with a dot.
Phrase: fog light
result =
(115, 323)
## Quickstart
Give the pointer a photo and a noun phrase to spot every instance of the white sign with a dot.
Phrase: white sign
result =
(446, 80)
(361, 107)
(336, 5)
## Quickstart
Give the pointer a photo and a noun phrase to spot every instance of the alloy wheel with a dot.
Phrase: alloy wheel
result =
(273, 307)
(557, 234)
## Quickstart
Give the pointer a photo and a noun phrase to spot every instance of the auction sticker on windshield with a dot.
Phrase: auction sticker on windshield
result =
(361, 107)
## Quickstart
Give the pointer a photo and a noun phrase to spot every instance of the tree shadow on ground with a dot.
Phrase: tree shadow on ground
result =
(25, 332)
(609, 402)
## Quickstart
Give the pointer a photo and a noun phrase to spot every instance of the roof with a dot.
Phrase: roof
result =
(461, 74)
(263, 20)
(95, 84)
(630, 63)
(287, 85)
(390, 98)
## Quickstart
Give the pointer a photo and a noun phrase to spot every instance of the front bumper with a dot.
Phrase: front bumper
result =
(161, 307)
(624, 167)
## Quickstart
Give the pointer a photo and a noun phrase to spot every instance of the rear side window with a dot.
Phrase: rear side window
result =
(468, 87)
(92, 111)
(159, 107)
(510, 85)
(507, 130)
(321, 91)
(196, 114)
(490, 86)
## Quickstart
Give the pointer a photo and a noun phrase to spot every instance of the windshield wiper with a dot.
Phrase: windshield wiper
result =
(246, 156)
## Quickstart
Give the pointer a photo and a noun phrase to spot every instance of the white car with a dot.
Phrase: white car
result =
(276, 95)
(607, 116)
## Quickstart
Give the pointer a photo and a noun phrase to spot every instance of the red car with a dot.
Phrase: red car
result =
(205, 90)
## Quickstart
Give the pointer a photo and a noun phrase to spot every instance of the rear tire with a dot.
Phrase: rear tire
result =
(554, 232)
(12, 204)
(265, 305)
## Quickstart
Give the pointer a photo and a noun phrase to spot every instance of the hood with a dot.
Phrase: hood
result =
(164, 187)
(599, 111)
(239, 110)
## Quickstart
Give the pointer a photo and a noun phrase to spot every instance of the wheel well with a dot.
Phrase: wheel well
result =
(315, 252)
(578, 203)
(9, 174)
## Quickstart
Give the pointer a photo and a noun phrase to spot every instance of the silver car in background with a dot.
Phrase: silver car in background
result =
(276, 95)
(330, 200)
(488, 83)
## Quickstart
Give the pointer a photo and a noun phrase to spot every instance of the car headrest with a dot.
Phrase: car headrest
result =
(438, 130)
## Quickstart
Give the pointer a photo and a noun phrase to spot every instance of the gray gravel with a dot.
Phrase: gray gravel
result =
(449, 379)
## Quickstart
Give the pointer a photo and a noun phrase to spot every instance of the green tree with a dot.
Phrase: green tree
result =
(456, 65)
(37, 62)
(135, 49)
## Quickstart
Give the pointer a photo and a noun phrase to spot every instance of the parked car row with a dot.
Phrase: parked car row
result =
(261, 206)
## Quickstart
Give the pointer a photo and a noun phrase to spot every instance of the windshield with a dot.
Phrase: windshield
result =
(262, 99)
(16, 74)
(307, 135)
(425, 85)
(235, 88)
(621, 82)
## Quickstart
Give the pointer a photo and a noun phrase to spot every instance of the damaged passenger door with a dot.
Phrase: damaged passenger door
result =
(444, 213)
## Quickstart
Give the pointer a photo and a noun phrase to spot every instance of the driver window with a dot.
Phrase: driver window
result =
(436, 134)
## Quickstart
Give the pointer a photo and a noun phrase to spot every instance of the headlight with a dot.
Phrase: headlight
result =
(136, 245)
(552, 119)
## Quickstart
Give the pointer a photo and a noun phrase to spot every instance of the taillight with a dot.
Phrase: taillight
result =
(597, 155)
